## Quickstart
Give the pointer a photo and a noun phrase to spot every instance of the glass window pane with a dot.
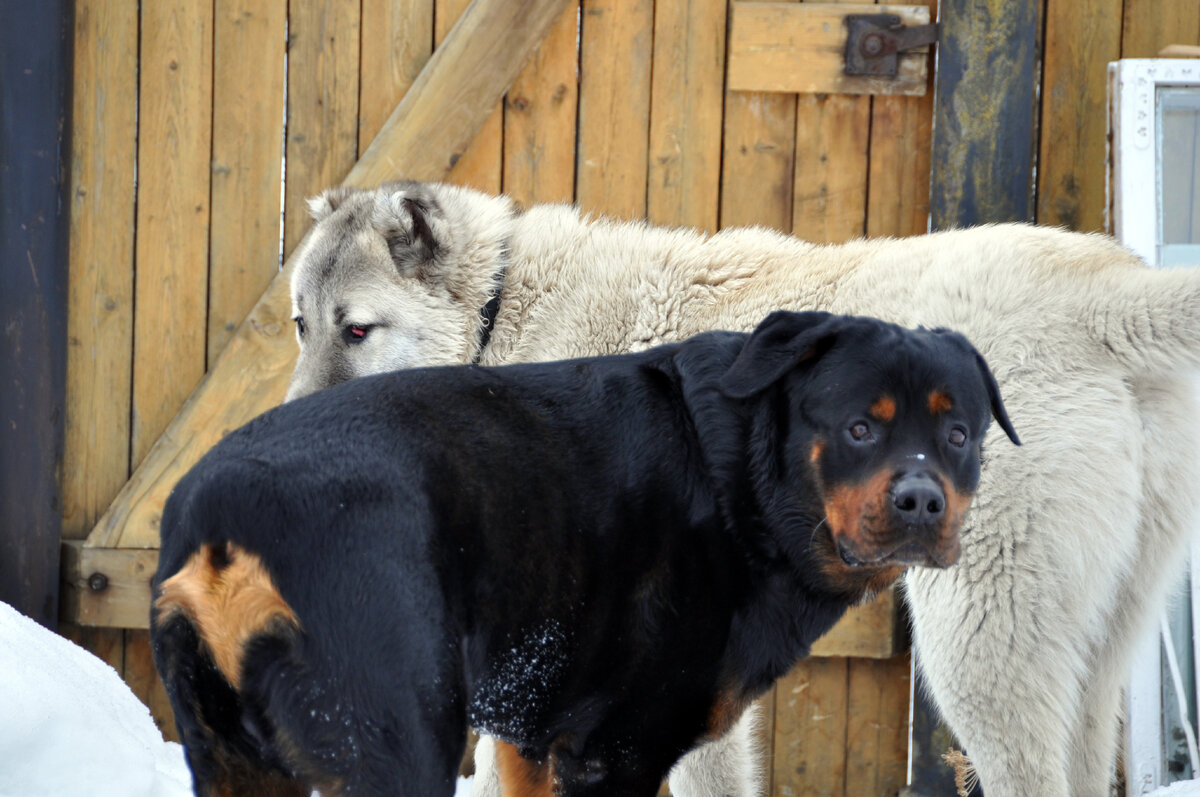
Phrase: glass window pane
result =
(1179, 174)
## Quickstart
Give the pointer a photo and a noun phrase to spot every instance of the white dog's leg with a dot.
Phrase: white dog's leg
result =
(727, 767)
(1016, 733)
(1169, 475)
(487, 780)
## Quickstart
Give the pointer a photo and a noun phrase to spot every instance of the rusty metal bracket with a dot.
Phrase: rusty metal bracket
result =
(874, 42)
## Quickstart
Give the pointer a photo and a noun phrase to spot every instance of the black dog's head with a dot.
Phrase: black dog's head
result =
(888, 423)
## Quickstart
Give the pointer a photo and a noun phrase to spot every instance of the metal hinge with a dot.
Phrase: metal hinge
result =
(874, 42)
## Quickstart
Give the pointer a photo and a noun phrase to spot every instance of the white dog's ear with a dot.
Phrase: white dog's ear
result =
(328, 200)
(408, 224)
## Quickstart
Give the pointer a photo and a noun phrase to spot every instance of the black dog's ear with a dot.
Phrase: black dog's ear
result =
(993, 390)
(781, 342)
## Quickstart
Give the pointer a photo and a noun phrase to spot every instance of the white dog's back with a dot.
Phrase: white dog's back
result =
(1074, 539)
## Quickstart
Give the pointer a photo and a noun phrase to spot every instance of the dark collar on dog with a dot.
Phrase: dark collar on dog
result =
(487, 315)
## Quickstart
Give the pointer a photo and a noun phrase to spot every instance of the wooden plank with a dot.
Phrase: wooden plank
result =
(248, 39)
(801, 48)
(757, 161)
(478, 165)
(100, 311)
(1151, 25)
(898, 170)
(810, 730)
(1082, 36)
(877, 726)
(830, 178)
(107, 587)
(540, 116)
(872, 630)
(614, 106)
(436, 119)
(830, 187)
(143, 680)
(898, 182)
(322, 106)
(983, 153)
(174, 126)
(397, 42)
(685, 113)
(430, 129)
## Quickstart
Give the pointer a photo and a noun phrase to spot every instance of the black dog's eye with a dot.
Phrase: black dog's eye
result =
(356, 333)
(861, 432)
(958, 437)
(299, 325)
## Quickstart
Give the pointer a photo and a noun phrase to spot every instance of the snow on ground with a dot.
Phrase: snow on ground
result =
(70, 727)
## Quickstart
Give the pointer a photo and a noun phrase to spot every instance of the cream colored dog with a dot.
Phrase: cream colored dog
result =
(1075, 538)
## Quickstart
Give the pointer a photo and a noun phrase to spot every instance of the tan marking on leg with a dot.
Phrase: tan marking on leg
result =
(520, 777)
(229, 597)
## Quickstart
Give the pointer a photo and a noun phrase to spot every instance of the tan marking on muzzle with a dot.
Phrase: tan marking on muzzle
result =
(228, 595)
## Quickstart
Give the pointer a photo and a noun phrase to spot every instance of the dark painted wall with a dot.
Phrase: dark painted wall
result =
(35, 81)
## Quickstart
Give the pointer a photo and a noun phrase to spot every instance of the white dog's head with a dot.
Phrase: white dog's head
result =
(392, 278)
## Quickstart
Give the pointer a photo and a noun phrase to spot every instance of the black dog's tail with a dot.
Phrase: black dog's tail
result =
(212, 616)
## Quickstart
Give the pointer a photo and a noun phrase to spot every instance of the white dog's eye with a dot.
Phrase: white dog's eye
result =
(299, 325)
(356, 333)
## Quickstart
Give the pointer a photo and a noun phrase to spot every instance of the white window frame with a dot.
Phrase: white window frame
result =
(1133, 85)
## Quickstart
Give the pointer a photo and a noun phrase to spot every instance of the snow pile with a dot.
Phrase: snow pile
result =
(70, 726)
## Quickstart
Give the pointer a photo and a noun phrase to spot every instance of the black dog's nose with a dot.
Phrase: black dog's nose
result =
(918, 498)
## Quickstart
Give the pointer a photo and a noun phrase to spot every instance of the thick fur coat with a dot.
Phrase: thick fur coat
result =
(600, 561)
(1077, 537)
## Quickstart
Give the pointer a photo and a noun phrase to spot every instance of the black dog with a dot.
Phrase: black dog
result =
(599, 562)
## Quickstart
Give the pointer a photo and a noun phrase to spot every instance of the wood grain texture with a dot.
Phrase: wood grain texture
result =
(758, 158)
(479, 164)
(481, 58)
(121, 599)
(248, 40)
(685, 113)
(143, 680)
(898, 179)
(100, 312)
(540, 116)
(397, 42)
(1081, 38)
(810, 730)
(832, 137)
(877, 726)
(872, 630)
(616, 40)
(322, 105)
(175, 144)
(1151, 25)
(801, 48)
(431, 128)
